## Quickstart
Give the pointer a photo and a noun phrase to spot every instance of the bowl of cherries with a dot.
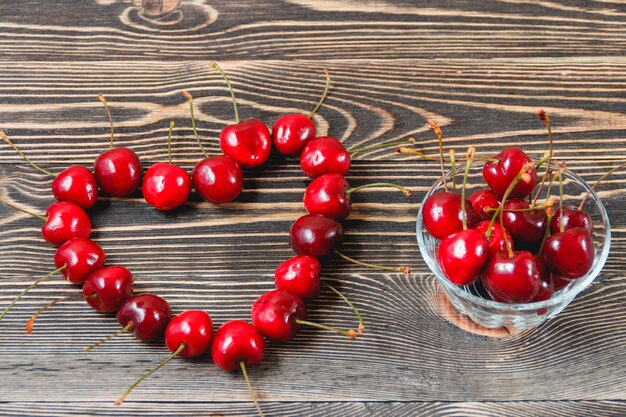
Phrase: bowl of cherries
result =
(512, 240)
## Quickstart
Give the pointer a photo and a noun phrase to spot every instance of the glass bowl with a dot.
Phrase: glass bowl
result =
(488, 313)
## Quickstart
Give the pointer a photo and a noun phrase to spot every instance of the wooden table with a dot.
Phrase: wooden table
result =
(482, 69)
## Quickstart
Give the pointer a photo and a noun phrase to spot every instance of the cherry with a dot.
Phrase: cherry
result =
(482, 201)
(248, 142)
(291, 132)
(166, 186)
(107, 288)
(276, 314)
(443, 214)
(324, 155)
(463, 255)
(559, 282)
(499, 175)
(237, 342)
(218, 179)
(546, 289)
(569, 254)
(187, 335)
(512, 279)
(572, 217)
(81, 257)
(315, 235)
(496, 240)
(146, 315)
(64, 221)
(525, 225)
(118, 170)
(299, 276)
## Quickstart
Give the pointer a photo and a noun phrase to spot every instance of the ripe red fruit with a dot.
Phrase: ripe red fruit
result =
(443, 216)
(82, 257)
(496, 240)
(107, 288)
(149, 315)
(237, 341)
(299, 276)
(324, 155)
(118, 172)
(572, 217)
(513, 279)
(166, 186)
(463, 256)
(291, 132)
(327, 195)
(275, 314)
(499, 175)
(248, 142)
(77, 185)
(569, 254)
(526, 227)
(218, 179)
(315, 235)
(482, 200)
(194, 329)
(559, 282)
(64, 222)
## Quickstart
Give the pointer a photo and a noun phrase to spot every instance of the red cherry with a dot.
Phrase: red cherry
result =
(166, 186)
(77, 185)
(315, 235)
(443, 215)
(106, 289)
(248, 142)
(327, 195)
(291, 132)
(276, 314)
(81, 257)
(499, 175)
(496, 239)
(482, 200)
(559, 282)
(218, 179)
(192, 328)
(64, 222)
(526, 227)
(147, 315)
(569, 254)
(513, 279)
(546, 290)
(572, 217)
(118, 172)
(237, 341)
(463, 256)
(299, 276)
(324, 155)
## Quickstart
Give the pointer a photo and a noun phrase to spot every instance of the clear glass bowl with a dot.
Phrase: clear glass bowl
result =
(488, 313)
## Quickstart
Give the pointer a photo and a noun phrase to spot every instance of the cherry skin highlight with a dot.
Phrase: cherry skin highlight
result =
(324, 155)
(107, 288)
(569, 254)
(291, 132)
(572, 217)
(482, 200)
(77, 185)
(513, 279)
(326, 195)
(149, 313)
(499, 175)
(463, 256)
(299, 276)
(118, 172)
(526, 227)
(166, 186)
(194, 329)
(315, 235)
(275, 314)
(443, 216)
(248, 143)
(237, 341)
(218, 179)
(64, 222)
(82, 257)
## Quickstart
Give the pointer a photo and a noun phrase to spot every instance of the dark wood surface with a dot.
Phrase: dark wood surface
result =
(482, 69)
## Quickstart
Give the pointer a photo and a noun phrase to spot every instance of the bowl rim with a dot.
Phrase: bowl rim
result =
(569, 292)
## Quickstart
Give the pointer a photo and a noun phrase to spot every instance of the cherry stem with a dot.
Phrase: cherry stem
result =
(216, 67)
(189, 98)
(120, 400)
(409, 151)
(14, 207)
(6, 139)
(561, 170)
(30, 323)
(169, 143)
(546, 233)
(548, 203)
(402, 269)
(435, 126)
(404, 190)
(350, 334)
(452, 154)
(593, 187)
(30, 287)
(543, 116)
(361, 327)
(324, 94)
(549, 188)
(106, 107)
(244, 371)
(468, 164)
(409, 141)
(129, 327)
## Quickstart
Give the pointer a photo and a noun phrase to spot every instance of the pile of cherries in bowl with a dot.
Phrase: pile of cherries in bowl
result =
(512, 253)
